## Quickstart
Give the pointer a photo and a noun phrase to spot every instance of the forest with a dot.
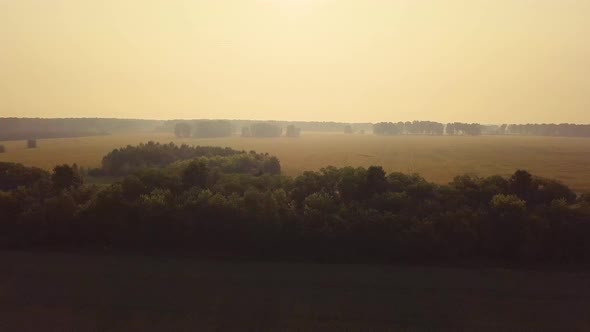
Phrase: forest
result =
(157, 197)
(35, 128)
(30, 128)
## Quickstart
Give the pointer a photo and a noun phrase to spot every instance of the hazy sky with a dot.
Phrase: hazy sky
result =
(363, 60)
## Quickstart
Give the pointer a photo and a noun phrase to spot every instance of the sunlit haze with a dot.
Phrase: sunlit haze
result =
(326, 60)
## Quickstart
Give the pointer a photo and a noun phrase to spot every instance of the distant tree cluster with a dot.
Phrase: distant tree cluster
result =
(183, 130)
(224, 201)
(389, 128)
(564, 129)
(155, 155)
(459, 128)
(213, 128)
(262, 129)
(24, 128)
(493, 129)
(309, 126)
(2, 149)
(31, 143)
(408, 128)
(348, 130)
(243, 163)
(476, 129)
(293, 131)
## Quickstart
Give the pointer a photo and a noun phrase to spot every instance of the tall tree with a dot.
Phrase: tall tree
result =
(66, 176)
(195, 175)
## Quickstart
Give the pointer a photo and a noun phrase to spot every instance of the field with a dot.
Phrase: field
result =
(76, 292)
(438, 159)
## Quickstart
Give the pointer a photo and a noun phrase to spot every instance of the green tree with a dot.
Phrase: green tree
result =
(506, 228)
(195, 175)
(376, 181)
(66, 176)
(272, 166)
(521, 184)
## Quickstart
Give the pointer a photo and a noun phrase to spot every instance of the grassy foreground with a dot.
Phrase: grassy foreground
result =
(438, 158)
(76, 292)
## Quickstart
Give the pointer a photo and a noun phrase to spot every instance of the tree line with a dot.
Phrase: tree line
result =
(426, 128)
(130, 159)
(408, 128)
(221, 200)
(476, 129)
(221, 128)
(38, 128)
(30, 128)
(204, 129)
(564, 129)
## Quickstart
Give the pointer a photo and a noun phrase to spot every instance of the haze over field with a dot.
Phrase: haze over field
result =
(324, 60)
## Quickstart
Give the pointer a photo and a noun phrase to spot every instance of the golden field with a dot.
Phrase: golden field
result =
(438, 158)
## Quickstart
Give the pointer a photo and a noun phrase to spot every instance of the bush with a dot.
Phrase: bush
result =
(2, 149)
(31, 143)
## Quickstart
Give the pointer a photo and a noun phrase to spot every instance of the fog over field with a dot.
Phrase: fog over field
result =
(294, 165)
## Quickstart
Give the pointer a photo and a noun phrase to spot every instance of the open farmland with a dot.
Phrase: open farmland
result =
(438, 158)
(87, 292)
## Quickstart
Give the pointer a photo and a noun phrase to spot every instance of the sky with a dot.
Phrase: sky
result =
(494, 61)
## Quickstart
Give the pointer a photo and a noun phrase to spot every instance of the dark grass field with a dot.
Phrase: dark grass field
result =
(88, 292)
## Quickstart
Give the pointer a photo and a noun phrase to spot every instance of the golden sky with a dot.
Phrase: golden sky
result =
(363, 60)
